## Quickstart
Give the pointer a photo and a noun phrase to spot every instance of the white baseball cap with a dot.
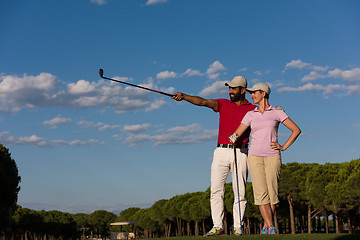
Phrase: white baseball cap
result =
(237, 81)
(259, 86)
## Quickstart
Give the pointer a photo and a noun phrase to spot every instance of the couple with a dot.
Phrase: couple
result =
(237, 118)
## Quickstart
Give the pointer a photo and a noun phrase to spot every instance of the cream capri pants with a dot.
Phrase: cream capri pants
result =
(264, 173)
(223, 162)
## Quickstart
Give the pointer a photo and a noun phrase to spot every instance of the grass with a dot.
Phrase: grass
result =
(321, 236)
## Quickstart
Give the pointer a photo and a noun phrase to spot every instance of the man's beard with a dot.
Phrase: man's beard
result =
(235, 97)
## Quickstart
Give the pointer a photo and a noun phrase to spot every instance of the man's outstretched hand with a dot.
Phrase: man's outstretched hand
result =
(178, 96)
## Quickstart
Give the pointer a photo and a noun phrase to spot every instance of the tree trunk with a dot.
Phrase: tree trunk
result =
(188, 228)
(168, 230)
(309, 218)
(247, 231)
(289, 225)
(275, 221)
(292, 219)
(225, 224)
(197, 228)
(178, 232)
(337, 223)
(349, 224)
(203, 226)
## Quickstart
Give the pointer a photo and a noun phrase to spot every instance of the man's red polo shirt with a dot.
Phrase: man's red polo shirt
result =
(231, 116)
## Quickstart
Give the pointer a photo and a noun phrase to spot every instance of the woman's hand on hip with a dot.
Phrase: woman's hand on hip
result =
(276, 146)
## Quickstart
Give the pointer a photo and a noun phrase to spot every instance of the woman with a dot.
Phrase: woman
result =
(264, 158)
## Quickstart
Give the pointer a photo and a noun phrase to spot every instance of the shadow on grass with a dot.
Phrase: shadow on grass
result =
(348, 237)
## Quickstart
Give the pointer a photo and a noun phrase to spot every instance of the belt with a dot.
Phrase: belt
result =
(232, 146)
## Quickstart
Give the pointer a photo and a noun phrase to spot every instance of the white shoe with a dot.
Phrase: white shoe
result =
(215, 231)
(238, 231)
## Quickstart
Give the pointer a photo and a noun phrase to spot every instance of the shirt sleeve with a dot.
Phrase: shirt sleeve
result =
(219, 102)
(247, 119)
(281, 115)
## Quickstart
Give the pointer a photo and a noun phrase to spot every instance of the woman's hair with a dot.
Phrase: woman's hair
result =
(266, 95)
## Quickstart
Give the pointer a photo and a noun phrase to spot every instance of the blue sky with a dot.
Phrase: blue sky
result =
(83, 144)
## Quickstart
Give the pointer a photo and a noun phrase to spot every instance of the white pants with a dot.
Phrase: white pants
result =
(223, 161)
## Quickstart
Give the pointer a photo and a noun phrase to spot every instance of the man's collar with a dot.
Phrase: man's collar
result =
(246, 102)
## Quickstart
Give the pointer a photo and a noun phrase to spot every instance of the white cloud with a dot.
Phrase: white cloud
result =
(30, 139)
(214, 70)
(136, 128)
(90, 124)
(81, 87)
(56, 121)
(172, 138)
(320, 68)
(44, 90)
(350, 76)
(76, 143)
(306, 87)
(128, 104)
(153, 2)
(190, 72)
(340, 89)
(4, 133)
(44, 81)
(312, 76)
(101, 126)
(106, 127)
(123, 79)
(99, 2)
(166, 75)
(183, 129)
(26, 91)
(297, 64)
(8, 139)
(217, 88)
(118, 137)
(70, 143)
(192, 133)
(157, 104)
(95, 141)
(259, 73)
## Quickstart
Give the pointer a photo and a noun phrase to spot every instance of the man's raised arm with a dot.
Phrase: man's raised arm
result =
(199, 101)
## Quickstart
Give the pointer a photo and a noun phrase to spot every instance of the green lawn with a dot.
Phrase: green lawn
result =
(322, 236)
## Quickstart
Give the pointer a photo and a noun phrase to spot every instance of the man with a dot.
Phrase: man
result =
(231, 113)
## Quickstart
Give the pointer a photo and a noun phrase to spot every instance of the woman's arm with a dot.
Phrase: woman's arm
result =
(239, 131)
(295, 133)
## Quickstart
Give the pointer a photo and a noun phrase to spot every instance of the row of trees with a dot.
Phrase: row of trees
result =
(313, 198)
(30, 224)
